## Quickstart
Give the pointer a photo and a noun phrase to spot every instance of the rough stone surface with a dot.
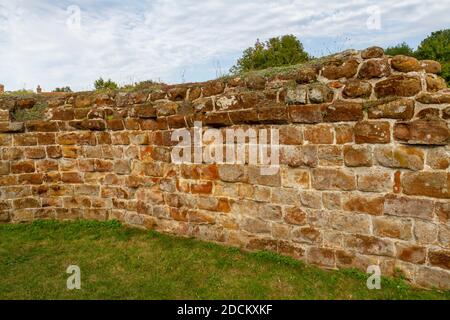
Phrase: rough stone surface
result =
(426, 131)
(405, 64)
(363, 176)
(398, 85)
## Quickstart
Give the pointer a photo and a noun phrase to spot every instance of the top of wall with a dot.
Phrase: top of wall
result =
(349, 86)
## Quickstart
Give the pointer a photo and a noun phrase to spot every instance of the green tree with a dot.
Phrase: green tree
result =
(101, 84)
(276, 52)
(63, 89)
(402, 48)
(437, 47)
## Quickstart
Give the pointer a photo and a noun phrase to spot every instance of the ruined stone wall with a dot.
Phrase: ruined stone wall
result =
(364, 177)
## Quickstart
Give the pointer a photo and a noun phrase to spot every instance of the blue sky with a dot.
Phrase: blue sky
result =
(72, 43)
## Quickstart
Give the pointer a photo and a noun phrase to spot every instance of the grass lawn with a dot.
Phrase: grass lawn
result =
(121, 263)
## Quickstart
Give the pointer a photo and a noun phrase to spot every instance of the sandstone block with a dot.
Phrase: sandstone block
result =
(429, 132)
(374, 68)
(333, 179)
(429, 184)
(402, 109)
(408, 207)
(392, 227)
(358, 156)
(372, 132)
(343, 111)
(398, 85)
(405, 64)
(400, 157)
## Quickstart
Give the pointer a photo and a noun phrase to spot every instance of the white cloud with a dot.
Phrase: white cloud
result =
(138, 40)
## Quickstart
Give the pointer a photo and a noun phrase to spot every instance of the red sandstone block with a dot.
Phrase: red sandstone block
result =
(398, 85)
(409, 207)
(115, 124)
(430, 184)
(47, 165)
(35, 153)
(42, 126)
(71, 177)
(330, 155)
(440, 258)
(333, 179)
(358, 156)
(77, 138)
(344, 134)
(364, 204)
(31, 178)
(411, 253)
(25, 139)
(27, 166)
(400, 157)
(370, 245)
(201, 187)
(343, 111)
(322, 257)
(428, 132)
(307, 113)
(393, 227)
(25, 203)
(372, 132)
(319, 134)
(46, 138)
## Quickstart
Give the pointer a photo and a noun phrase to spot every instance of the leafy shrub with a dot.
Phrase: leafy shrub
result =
(437, 47)
(101, 84)
(402, 48)
(63, 89)
(34, 113)
(276, 52)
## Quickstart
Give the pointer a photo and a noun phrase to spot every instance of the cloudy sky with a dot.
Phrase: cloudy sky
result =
(58, 43)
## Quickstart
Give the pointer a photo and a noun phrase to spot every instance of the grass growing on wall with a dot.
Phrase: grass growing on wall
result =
(121, 263)
(34, 113)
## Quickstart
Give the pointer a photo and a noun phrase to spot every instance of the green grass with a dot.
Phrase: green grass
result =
(121, 263)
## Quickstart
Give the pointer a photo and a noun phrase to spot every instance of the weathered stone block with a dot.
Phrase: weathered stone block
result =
(402, 109)
(297, 156)
(11, 127)
(312, 113)
(374, 68)
(405, 64)
(392, 227)
(357, 89)
(372, 132)
(364, 204)
(370, 245)
(343, 111)
(400, 157)
(372, 52)
(333, 179)
(374, 181)
(408, 207)
(431, 66)
(319, 134)
(321, 257)
(429, 184)
(411, 253)
(344, 69)
(429, 132)
(358, 156)
(398, 85)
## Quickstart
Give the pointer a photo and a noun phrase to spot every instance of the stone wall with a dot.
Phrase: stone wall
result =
(364, 175)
